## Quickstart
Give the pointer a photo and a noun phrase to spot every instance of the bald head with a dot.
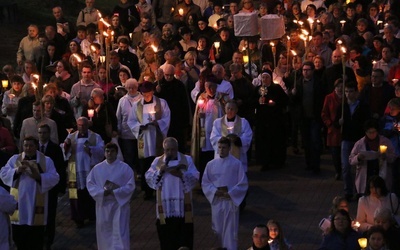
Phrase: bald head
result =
(169, 71)
(336, 56)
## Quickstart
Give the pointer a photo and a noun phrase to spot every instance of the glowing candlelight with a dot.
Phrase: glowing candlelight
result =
(270, 241)
(35, 77)
(339, 42)
(152, 115)
(216, 45)
(379, 22)
(90, 113)
(310, 20)
(102, 59)
(180, 11)
(34, 86)
(78, 58)
(305, 32)
(230, 129)
(11, 96)
(92, 48)
(270, 101)
(200, 102)
(357, 224)
(172, 9)
(373, 62)
(293, 53)
(69, 130)
(382, 149)
(343, 49)
(4, 83)
(154, 48)
(215, 26)
(342, 22)
(394, 80)
(300, 22)
(363, 242)
(130, 35)
(246, 59)
(295, 21)
(105, 34)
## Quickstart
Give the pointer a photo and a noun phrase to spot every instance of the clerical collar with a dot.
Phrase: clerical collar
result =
(30, 158)
(151, 101)
(85, 135)
(230, 120)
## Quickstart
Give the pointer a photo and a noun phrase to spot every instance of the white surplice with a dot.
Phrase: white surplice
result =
(112, 211)
(225, 172)
(27, 188)
(84, 161)
(149, 135)
(173, 188)
(246, 134)
(7, 207)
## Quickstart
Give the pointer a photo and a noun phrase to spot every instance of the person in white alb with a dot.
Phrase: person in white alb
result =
(225, 185)
(111, 184)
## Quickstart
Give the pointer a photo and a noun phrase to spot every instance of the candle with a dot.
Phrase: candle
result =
(394, 80)
(357, 225)
(90, 113)
(373, 62)
(200, 102)
(382, 149)
(246, 59)
(130, 35)
(152, 115)
(102, 59)
(230, 129)
(216, 45)
(154, 48)
(342, 22)
(180, 11)
(363, 242)
(270, 241)
(77, 57)
(379, 22)
(35, 77)
(4, 83)
(11, 96)
(300, 22)
(270, 101)
(172, 9)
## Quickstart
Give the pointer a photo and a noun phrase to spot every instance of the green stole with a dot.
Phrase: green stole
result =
(39, 199)
(237, 129)
(159, 135)
(187, 199)
(72, 186)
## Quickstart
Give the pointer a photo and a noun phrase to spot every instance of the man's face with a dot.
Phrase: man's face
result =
(224, 36)
(32, 32)
(148, 96)
(237, 58)
(169, 75)
(145, 23)
(132, 89)
(37, 112)
(218, 72)
(386, 54)
(230, 110)
(307, 72)
(114, 60)
(29, 148)
(86, 74)
(388, 34)
(43, 42)
(110, 154)
(89, 3)
(317, 41)
(82, 126)
(57, 13)
(170, 150)
(223, 150)
(260, 237)
(44, 134)
(81, 34)
(351, 94)
(376, 78)
(123, 46)
(336, 57)
(350, 12)
(50, 33)
(233, 7)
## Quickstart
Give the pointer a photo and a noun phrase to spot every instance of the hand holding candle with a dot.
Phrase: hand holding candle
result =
(90, 113)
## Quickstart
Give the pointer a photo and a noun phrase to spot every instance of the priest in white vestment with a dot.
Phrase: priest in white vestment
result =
(173, 176)
(111, 184)
(83, 149)
(149, 121)
(7, 207)
(30, 175)
(237, 129)
(225, 185)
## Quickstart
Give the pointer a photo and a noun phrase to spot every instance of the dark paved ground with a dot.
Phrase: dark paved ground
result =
(296, 198)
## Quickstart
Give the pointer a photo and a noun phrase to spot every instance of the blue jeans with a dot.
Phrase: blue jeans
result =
(348, 181)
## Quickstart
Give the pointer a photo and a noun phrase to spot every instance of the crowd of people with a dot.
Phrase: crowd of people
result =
(94, 104)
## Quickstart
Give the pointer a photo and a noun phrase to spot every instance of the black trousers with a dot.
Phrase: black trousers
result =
(175, 233)
(51, 217)
(28, 237)
(144, 166)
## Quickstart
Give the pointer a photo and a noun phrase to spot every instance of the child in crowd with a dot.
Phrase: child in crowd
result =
(276, 236)
(376, 238)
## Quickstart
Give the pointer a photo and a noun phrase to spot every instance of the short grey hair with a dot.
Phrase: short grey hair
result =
(97, 92)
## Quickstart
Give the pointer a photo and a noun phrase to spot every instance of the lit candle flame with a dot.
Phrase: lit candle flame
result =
(93, 48)
(305, 32)
(357, 224)
(217, 44)
(272, 44)
(339, 42)
(105, 23)
(310, 20)
(200, 102)
(180, 11)
(4, 83)
(293, 53)
(154, 48)
(300, 22)
(105, 34)
(77, 57)
(343, 49)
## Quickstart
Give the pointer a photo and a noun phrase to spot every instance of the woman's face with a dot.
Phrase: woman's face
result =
(102, 73)
(60, 67)
(51, 50)
(48, 106)
(343, 205)
(310, 12)
(190, 61)
(123, 77)
(273, 231)
(98, 99)
(371, 133)
(202, 25)
(263, 10)
(17, 86)
(202, 43)
(341, 222)
(73, 47)
(230, 22)
(318, 63)
(375, 191)
(186, 37)
(383, 222)
(28, 68)
(295, 9)
(51, 92)
(148, 55)
(115, 21)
